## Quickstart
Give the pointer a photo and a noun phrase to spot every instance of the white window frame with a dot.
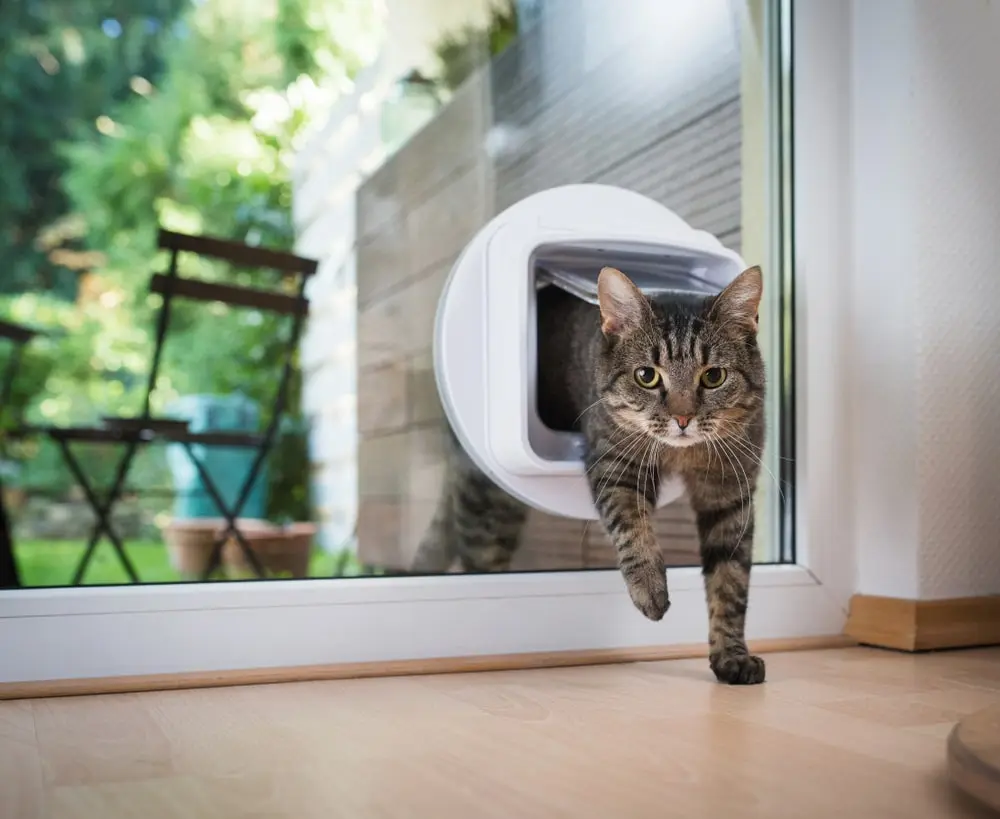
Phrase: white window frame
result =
(72, 633)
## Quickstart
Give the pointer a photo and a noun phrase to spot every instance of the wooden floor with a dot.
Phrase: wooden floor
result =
(840, 733)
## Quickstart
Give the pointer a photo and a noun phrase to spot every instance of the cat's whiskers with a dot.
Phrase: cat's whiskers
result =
(725, 452)
(617, 445)
(587, 409)
(648, 460)
(638, 476)
(654, 451)
(620, 465)
(712, 452)
(747, 448)
(624, 459)
(656, 475)
(755, 455)
(743, 495)
(612, 442)
(722, 452)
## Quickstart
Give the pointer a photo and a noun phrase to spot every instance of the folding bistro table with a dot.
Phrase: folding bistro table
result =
(145, 429)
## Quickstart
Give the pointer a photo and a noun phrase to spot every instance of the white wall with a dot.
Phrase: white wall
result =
(955, 190)
(884, 273)
(915, 137)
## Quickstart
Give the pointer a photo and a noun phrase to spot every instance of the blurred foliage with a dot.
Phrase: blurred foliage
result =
(63, 63)
(203, 144)
(463, 52)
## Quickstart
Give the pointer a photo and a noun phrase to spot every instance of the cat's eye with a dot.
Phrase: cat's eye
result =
(647, 377)
(713, 378)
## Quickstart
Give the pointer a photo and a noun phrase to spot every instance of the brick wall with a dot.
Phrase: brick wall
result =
(588, 94)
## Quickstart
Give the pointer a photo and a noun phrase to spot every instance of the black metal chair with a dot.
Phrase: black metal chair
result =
(16, 338)
(134, 432)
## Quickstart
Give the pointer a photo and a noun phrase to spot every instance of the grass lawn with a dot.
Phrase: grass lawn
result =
(53, 562)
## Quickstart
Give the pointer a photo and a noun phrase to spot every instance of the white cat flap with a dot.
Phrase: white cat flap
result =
(485, 340)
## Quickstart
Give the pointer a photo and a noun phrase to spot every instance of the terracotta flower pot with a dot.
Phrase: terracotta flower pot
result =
(189, 543)
(280, 550)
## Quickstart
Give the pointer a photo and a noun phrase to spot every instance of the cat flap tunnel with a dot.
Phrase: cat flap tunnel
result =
(485, 338)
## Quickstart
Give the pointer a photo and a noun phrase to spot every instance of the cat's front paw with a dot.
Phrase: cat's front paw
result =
(738, 668)
(647, 586)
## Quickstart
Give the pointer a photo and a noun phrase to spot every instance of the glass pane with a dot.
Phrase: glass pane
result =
(377, 140)
(674, 101)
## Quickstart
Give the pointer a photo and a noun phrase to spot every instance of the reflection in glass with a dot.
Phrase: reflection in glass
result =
(376, 138)
(669, 101)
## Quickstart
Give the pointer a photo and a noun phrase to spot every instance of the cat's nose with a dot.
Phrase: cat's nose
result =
(682, 420)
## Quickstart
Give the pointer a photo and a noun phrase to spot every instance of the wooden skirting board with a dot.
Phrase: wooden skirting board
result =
(924, 625)
(342, 671)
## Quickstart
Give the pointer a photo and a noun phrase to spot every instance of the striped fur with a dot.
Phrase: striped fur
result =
(711, 436)
(475, 523)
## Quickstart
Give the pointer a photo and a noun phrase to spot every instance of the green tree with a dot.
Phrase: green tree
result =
(464, 51)
(63, 64)
(207, 149)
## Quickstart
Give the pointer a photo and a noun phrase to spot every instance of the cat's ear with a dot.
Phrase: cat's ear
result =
(623, 306)
(740, 301)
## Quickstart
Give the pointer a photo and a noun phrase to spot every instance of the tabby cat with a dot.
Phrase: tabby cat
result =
(666, 386)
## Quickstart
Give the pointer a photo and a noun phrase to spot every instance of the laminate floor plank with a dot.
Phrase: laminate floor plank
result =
(838, 733)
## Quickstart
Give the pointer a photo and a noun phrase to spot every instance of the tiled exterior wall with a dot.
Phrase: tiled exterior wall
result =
(587, 95)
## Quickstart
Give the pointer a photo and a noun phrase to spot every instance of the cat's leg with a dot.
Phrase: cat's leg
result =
(725, 515)
(488, 524)
(437, 549)
(476, 522)
(624, 485)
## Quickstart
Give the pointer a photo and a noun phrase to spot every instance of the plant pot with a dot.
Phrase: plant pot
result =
(280, 550)
(189, 543)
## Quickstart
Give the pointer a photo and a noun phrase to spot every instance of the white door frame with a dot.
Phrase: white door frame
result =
(76, 633)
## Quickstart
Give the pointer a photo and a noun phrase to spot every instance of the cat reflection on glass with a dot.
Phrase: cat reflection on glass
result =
(665, 386)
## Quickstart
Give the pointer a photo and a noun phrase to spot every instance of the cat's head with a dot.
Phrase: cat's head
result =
(681, 371)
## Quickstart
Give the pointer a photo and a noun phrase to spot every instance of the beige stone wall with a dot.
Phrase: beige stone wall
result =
(359, 130)
(543, 114)
(414, 216)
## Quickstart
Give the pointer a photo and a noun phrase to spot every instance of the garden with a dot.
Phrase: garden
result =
(122, 117)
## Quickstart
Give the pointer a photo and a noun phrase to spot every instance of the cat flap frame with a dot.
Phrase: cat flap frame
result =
(485, 346)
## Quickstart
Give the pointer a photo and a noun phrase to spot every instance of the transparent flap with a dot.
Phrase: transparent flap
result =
(655, 277)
